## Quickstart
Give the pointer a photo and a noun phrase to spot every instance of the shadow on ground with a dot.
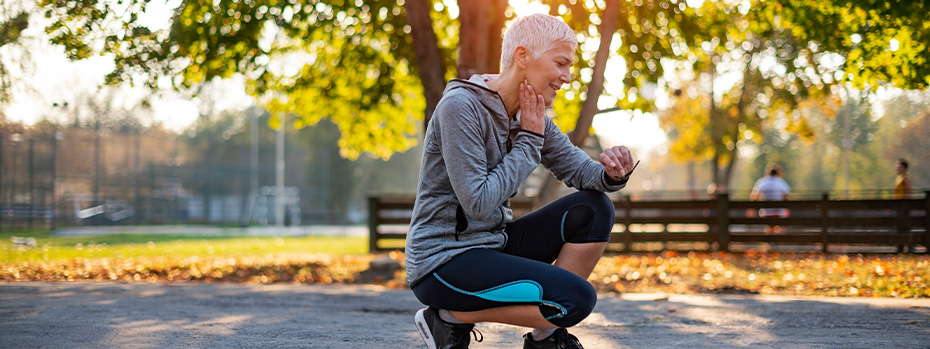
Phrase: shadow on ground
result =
(356, 316)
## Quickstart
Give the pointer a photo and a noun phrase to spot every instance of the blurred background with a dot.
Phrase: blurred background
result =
(257, 112)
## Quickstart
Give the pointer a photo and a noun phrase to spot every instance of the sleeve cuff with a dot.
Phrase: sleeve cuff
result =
(622, 180)
(533, 133)
(611, 181)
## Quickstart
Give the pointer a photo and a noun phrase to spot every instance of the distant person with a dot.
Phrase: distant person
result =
(771, 187)
(467, 259)
(902, 190)
(902, 183)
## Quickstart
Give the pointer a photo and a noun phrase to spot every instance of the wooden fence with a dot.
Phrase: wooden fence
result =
(697, 224)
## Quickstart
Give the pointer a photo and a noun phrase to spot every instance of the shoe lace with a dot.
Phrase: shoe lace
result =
(462, 338)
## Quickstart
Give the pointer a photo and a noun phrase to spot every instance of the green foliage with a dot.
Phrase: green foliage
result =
(884, 42)
(11, 28)
(345, 60)
(775, 71)
(353, 61)
(648, 33)
(12, 24)
(686, 122)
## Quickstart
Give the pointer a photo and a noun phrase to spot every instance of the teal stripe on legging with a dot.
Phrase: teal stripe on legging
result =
(522, 291)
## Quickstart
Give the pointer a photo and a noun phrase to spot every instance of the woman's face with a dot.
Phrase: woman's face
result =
(551, 70)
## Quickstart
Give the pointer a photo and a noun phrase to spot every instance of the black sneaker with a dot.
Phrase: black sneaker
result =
(560, 339)
(439, 334)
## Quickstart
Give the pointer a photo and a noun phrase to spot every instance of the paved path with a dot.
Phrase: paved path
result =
(102, 315)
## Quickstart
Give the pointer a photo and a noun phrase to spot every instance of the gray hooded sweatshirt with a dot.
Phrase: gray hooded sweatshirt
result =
(474, 160)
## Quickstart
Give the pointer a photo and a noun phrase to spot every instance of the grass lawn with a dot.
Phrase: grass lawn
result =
(316, 259)
(157, 257)
(51, 248)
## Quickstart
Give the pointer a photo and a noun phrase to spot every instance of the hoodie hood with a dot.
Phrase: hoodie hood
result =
(489, 98)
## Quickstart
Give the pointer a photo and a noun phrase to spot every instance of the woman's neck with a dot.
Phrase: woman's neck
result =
(507, 85)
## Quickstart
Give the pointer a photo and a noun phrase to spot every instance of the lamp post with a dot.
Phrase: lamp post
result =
(279, 202)
(1, 180)
(32, 175)
(56, 136)
(15, 138)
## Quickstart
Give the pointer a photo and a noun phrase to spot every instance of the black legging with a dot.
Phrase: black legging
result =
(522, 272)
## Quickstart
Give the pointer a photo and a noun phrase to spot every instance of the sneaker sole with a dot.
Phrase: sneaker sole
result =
(423, 328)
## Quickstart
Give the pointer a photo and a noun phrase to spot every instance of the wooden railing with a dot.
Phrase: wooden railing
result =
(697, 224)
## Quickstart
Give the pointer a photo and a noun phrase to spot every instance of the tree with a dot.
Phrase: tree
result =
(777, 72)
(883, 42)
(351, 61)
(589, 107)
(365, 64)
(647, 32)
(14, 19)
(686, 123)
(429, 58)
(357, 56)
(480, 36)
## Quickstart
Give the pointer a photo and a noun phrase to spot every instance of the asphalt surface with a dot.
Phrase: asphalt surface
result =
(106, 315)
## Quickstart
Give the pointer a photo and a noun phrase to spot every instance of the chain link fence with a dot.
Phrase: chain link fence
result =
(95, 177)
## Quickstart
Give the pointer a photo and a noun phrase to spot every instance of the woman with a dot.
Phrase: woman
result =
(465, 256)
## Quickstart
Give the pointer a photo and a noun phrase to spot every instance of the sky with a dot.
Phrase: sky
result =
(54, 79)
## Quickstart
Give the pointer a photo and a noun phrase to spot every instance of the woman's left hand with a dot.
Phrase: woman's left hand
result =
(617, 161)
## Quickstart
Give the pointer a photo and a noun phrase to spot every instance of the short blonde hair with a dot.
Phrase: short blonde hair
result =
(538, 33)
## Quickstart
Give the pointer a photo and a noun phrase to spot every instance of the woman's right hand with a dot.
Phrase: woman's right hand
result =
(532, 109)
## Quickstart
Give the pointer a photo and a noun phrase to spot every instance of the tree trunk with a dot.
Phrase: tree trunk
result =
(715, 137)
(426, 49)
(589, 108)
(480, 37)
(550, 187)
(474, 28)
(495, 36)
(692, 190)
(730, 165)
(740, 117)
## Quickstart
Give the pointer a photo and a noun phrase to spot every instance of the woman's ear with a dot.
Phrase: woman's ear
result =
(521, 56)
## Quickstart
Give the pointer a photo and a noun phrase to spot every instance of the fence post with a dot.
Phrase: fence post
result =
(32, 176)
(627, 220)
(97, 163)
(927, 221)
(373, 235)
(55, 136)
(136, 174)
(723, 222)
(824, 220)
(1, 182)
